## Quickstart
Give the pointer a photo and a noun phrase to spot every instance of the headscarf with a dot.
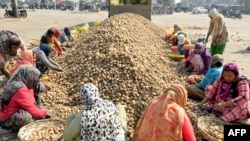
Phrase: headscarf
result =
(167, 109)
(67, 31)
(89, 94)
(45, 48)
(231, 67)
(5, 37)
(57, 32)
(177, 28)
(213, 13)
(217, 58)
(181, 39)
(25, 58)
(224, 88)
(25, 76)
(199, 48)
(215, 19)
(100, 117)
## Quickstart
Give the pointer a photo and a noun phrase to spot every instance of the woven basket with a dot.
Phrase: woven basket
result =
(26, 131)
(204, 123)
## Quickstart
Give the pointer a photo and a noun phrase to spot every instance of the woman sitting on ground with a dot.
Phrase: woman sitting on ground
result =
(197, 91)
(43, 60)
(199, 61)
(173, 37)
(182, 42)
(50, 38)
(99, 120)
(227, 99)
(164, 119)
(18, 105)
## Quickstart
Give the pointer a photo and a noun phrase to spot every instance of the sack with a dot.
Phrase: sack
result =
(234, 88)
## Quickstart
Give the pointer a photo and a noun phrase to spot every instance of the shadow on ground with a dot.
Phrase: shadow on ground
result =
(242, 51)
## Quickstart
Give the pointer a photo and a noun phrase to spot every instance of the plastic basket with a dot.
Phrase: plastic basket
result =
(176, 57)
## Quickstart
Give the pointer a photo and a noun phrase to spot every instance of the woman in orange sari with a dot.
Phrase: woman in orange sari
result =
(164, 119)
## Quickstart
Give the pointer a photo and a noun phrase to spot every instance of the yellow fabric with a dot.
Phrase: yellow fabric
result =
(163, 118)
(170, 31)
(25, 58)
(122, 116)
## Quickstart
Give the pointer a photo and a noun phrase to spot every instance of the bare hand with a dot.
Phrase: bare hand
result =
(199, 105)
(218, 106)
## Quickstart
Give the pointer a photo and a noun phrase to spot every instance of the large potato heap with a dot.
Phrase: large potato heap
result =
(123, 56)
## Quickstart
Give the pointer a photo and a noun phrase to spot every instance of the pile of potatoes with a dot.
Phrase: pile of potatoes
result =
(46, 133)
(125, 56)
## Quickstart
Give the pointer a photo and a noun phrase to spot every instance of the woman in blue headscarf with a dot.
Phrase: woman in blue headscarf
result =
(43, 61)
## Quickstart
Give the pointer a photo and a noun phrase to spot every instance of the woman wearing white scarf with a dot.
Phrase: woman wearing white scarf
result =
(218, 30)
(100, 120)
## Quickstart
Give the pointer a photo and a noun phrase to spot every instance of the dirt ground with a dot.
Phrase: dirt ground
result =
(37, 22)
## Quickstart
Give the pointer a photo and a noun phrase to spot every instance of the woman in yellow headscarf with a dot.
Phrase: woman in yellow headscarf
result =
(164, 119)
(218, 30)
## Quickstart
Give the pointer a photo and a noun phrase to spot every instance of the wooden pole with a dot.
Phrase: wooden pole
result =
(14, 8)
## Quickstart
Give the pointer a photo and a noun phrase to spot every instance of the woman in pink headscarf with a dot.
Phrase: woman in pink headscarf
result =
(229, 95)
(25, 58)
(199, 60)
(164, 119)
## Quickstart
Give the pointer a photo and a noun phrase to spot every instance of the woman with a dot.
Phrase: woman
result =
(50, 38)
(43, 61)
(224, 103)
(183, 41)
(68, 33)
(198, 91)
(18, 106)
(28, 58)
(65, 35)
(173, 38)
(199, 60)
(218, 30)
(164, 119)
(10, 42)
(99, 120)
(25, 58)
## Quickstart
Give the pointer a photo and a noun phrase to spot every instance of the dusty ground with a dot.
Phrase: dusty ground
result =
(37, 22)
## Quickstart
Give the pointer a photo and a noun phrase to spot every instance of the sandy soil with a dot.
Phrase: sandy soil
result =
(37, 22)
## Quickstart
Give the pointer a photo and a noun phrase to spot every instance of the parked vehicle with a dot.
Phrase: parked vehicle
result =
(199, 10)
(103, 6)
(83, 5)
(67, 5)
(179, 7)
(244, 10)
(233, 14)
(9, 13)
